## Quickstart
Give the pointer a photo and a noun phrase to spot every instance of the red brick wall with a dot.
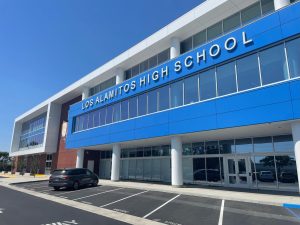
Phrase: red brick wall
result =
(65, 158)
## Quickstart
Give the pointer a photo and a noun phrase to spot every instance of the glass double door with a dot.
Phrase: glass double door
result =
(237, 171)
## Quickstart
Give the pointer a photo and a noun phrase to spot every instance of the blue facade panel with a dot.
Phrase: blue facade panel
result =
(278, 102)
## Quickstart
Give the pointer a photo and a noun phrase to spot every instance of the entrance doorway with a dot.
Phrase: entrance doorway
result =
(237, 171)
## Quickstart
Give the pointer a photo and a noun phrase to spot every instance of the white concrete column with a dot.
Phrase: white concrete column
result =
(115, 164)
(176, 161)
(296, 138)
(85, 93)
(119, 76)
(278, 4)
(79, 158)
(175, 47)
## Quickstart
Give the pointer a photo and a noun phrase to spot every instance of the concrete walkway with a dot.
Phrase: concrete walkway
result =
(10, 179)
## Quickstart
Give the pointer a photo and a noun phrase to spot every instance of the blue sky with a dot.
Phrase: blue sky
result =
(47, 45)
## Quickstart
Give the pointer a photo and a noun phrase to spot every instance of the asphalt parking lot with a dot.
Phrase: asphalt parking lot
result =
(174, 209)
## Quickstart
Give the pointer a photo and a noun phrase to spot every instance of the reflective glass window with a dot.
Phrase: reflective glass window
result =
(132, 107)
(287, 172)
(163, 98)
(142, 104)
(124, 110)
(263, 144)
(267, 6)
(199, 169)
(231, 22)
(109, 114)
(85, 118)
(117, 112)
(96, 118)
(283, 143)
(102, 116)
(152, 101)
(147, 152)
(127, 74)
(177, 94)
(214, 31)
(213, 172)
(166, 150)
(273, 65)
(139, 152)
(163, 56)
(207, 84)
(212, 147)
(226, 147)
(187, 149)
(243, 145)
(248, 72)
(90, 120)
(293, 49)
(226, 79)
(199, 38)
(144, 66)
(153, 61)
(191, 94)
(250, 13)
(265, 171)
(186, 45)
(198, 148)
(135, 70)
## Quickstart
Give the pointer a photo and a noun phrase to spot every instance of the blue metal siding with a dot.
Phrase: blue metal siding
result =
(277, 102)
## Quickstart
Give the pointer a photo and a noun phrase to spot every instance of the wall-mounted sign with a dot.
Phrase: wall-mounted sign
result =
(162, 72)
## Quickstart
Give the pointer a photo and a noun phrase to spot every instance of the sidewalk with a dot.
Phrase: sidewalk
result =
(10, 179)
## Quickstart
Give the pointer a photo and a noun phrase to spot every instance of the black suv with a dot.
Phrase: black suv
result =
(72, 178)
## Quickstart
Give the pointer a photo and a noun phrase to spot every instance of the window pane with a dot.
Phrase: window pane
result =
(152, 101)
(199, 170)
(226, 147)
(163, 56)
(226, 79)
(283, 143)
(191, 90)
(163, 97)
(96, 118)
(263, 144)
(199, 38)
(186, 45)
(177, 94)
(231, 22)
(117, 112)
(127, 74)
(147, 152)
(273, 65)
(143, 66)
(109, 114)
(102, 116)
(132, 107)
(265, 170)
(251, 13)
(293, 49)
(142, 104)
(244, 145)
(207, 84)
(213, 169)
(187, 149)
(153, 62)
(214, 31)
(287, 172)
(267, 6)
(85, 118)
(211, 147)
(198, 148)
(248, 72)
(135, 70)
(124, 110)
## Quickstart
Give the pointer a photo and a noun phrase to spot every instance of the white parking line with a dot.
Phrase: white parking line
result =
(97, 194)
(80, 190)
(160, 206)
(123, 199)
(221, 213)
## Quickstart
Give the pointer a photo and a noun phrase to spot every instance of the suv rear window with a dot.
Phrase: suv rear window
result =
(61, 172)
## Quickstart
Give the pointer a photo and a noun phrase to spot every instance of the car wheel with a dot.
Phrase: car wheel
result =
(95, 183)
(56, 188)
(75, 185)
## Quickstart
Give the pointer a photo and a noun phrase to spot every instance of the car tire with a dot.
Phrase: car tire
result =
(75, 185)
(95, 183)
(56, 188)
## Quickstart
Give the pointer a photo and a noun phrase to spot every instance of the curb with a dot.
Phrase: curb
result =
(291, 206)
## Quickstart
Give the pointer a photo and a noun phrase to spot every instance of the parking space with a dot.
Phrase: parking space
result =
(170, 208)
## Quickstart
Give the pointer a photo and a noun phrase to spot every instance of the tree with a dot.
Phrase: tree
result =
(35, 164)
(4, 160)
